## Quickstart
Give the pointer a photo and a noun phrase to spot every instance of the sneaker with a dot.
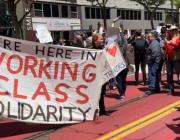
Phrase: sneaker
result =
(149, 92)
(121, 97)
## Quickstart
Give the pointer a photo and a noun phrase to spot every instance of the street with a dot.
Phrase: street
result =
(137, 117)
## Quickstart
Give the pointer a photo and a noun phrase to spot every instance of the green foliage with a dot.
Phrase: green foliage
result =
(101, 3)
(177, 3)
(150, 3)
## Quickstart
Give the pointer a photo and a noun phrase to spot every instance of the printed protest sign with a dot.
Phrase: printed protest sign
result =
(52, 84)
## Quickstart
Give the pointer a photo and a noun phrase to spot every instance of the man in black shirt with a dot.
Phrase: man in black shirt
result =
(140, 45)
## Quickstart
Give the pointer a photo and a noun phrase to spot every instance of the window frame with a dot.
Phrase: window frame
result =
(45, 10)
(53, 12)
(35, 10)
(74, 12)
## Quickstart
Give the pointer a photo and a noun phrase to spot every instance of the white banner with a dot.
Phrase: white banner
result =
(53, 84)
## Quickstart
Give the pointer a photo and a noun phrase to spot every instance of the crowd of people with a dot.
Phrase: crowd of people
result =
(153, 49)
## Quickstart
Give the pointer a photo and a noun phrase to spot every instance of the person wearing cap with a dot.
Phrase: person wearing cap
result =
(173, 59)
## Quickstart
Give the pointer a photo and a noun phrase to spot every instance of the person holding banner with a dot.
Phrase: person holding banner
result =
(98, 43)
(121, 77)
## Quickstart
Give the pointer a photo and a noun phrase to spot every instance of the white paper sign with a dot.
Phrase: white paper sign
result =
(43, 34)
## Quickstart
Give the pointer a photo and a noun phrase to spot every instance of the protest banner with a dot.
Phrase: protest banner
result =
(41, 83)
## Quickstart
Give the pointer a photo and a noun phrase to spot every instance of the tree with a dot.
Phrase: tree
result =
(151, 6)
(16, 21)
(102, 4)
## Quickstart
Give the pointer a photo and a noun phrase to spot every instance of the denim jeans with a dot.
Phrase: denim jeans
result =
(121, 82)
(113, 82)
(153, 76)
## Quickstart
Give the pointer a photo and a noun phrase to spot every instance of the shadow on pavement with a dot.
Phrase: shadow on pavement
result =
(174, 127)
(112, 95)
(143, 89)
(8, 129)
(177, 119)
(176, 93)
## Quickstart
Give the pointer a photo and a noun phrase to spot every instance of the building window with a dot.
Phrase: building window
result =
(87, 12)
(129, 14)
(38, 9)
(74, 13)
(119, 13)
(56, 36)
(98, 13)
(64, 11)
(139, 15)
(55, 11)
(47, 10)
(123, 12)
(108, 13)
(135, 15)
(95, 13)
(160, 18)
(156, 15)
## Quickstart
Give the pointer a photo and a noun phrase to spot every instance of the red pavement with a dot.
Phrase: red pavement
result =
(132, 91)
(119, 118)
(11, 130)
(167, 128)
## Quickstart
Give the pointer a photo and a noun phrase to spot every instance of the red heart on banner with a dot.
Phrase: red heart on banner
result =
(112, 50)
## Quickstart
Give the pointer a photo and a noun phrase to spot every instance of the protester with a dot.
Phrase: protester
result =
(171, 48)
(140, 45)
(160, 39)
(121, 77)
(154, 57)
(98, 43)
